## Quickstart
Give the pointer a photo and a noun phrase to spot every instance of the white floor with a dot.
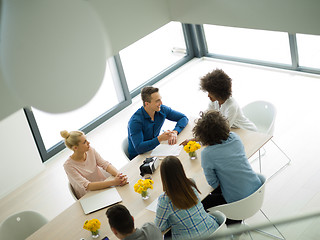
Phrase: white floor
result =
(293, 191)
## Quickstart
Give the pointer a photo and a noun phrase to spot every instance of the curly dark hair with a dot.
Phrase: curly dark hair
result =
(217, 83)
(211, 128)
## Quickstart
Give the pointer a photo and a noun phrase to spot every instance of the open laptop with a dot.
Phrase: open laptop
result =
(95, 201)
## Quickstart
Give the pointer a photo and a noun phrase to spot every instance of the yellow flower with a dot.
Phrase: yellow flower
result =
(191, 146)
(143, 185)
(92, 225)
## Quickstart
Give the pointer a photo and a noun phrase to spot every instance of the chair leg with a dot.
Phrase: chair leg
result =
(248, 231)
(285, 165)
(260, 161)
(269, 234)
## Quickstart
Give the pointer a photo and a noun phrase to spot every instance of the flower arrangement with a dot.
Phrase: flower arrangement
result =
(142, 187)
(92, 225)
(191, 147)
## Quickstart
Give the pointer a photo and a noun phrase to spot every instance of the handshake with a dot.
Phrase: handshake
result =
(171, 136)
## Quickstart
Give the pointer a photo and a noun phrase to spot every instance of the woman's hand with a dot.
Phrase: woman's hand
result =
(184, 142)
(120, 179)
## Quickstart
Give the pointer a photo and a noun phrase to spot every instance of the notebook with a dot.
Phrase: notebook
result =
(96, 201)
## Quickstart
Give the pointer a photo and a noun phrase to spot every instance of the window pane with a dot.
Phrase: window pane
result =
(309, 50)
(248, 43)
(50, 124)
(152, 54)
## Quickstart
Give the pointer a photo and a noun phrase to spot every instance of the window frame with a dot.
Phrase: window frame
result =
(122, 86)
(196, 46)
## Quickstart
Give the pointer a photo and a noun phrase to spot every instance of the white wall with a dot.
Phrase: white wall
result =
(127, 21)
(293, 16)
(20, 160)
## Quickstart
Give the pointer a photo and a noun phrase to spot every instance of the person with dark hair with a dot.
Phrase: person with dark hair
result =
(145, 124)
(122, 225)
(224, 161)
(180, 207)
(218, 85)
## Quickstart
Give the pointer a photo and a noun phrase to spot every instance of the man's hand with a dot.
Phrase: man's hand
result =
(173, 139)
(164, 136)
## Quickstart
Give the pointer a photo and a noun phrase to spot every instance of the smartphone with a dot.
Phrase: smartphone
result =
(105, 238)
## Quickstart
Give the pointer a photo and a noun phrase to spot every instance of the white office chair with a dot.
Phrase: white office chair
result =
(263, 115)
(125, 146)
(21, 225)
(247, 207)
(73, 193)
(221, 219)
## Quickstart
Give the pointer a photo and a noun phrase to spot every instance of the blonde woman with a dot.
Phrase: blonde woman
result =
(85, 168)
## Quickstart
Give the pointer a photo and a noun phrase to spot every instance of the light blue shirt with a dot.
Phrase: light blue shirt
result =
(189, 223)
(226, 165)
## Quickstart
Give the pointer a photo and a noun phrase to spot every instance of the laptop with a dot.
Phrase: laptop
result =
(95, 201)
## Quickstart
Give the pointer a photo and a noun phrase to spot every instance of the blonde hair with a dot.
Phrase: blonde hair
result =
(71, 138)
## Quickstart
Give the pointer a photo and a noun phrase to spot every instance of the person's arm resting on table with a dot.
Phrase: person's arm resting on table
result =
(141, 146)
(178, 117)
(118, 179)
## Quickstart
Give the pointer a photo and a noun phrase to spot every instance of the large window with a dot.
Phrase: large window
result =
(50, 125)
(309, 50)
(156, 55)
(248, 43)
(152, 54)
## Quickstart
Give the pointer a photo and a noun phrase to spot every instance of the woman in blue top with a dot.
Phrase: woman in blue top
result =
(179, 207)
(224, 161)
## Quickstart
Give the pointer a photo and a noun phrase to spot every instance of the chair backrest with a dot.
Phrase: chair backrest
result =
(221, 219)
(262, 114)
(21, 225)
(73, 193)
(246, 207)
(125, 146)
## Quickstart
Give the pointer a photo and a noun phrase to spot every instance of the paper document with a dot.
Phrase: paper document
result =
(163, 150)
(153, 206)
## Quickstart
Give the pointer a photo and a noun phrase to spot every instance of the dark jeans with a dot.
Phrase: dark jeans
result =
(215, 198)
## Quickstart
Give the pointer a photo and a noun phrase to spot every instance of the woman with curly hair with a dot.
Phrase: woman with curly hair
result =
(224, 161)
(218, 85)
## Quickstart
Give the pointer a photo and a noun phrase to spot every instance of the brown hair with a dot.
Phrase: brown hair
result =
(173, 175)
(211, 128)
(71, 138)
(217, 83)
(146, 93)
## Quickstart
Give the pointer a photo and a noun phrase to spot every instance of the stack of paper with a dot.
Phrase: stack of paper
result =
(163, 150)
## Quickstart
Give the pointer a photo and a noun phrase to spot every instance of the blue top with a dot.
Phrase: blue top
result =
(189, 223)
(143, 132)
(226, 164)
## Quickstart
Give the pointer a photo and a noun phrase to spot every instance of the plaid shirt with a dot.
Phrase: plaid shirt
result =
(189, 223)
